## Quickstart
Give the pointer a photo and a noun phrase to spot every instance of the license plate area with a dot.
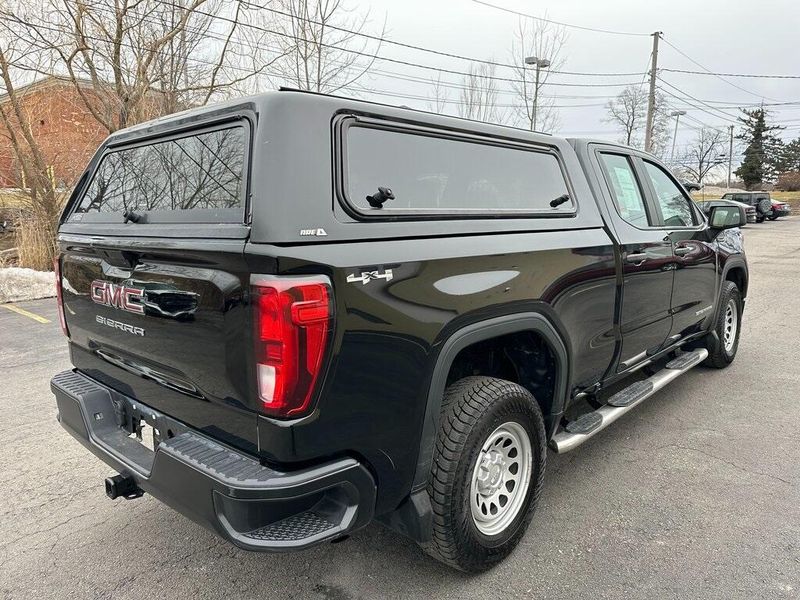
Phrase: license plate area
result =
(144, 425)
(146, 435)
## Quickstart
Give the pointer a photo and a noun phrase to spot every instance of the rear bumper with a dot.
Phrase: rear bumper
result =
(251, 505)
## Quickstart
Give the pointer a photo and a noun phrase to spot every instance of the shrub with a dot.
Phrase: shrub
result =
(35, 235)
(789, 181)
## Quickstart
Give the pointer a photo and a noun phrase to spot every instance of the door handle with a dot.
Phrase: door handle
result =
(636, 258)
(682, 250)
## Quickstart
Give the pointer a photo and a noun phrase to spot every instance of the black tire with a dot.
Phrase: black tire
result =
(721, 355)
(473, 411)
(773, 217)
(760, 219)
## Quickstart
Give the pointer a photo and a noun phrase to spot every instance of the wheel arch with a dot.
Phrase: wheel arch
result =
(736, 271)
(475, 333)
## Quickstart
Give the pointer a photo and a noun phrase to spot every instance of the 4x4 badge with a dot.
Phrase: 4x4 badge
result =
(367, 276)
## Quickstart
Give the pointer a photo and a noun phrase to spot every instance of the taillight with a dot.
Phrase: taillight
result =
(59, 296)
(292, 317)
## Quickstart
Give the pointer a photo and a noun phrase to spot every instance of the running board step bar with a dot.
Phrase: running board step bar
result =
(581, 429)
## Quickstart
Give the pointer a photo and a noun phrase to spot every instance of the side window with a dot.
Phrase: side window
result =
(675, 207)
(429, 174)
(625, 189)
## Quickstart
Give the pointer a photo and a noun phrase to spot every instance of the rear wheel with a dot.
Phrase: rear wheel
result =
(488, 468)
(727, 327)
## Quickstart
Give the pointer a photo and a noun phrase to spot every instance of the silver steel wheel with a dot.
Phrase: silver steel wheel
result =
(500, 478)
(731, 325)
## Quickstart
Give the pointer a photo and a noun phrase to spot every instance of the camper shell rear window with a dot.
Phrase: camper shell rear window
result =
(197, 176)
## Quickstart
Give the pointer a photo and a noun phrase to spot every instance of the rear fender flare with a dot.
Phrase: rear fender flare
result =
(471, 334)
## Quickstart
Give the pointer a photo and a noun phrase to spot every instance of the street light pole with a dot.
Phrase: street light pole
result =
(677, 114)
(539, 63)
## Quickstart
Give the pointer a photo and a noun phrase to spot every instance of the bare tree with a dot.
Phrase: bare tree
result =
(544, 41)
(702, 154)
(127, 61)
(321, 44)
(132, 60)
(661, 130)
(44, 200)
(439, 97)
(628, 112)
(479, 94)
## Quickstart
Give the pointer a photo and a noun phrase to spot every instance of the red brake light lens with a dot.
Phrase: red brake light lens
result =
(59, 295)
(292, 317)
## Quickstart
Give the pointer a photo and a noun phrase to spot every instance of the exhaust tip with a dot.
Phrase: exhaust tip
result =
(122, 486)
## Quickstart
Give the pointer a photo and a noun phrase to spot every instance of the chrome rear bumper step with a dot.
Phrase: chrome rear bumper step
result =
(589, 424)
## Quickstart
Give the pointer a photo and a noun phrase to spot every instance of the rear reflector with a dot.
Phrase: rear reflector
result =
(292, 318)
(59, 295)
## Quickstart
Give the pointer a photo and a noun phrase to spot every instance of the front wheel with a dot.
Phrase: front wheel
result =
(488, 468)
(773, 217)
(727, 327)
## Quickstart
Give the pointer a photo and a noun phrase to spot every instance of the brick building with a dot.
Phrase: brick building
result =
(65, 130)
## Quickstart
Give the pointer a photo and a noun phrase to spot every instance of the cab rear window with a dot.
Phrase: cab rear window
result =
(434, 174)
(198, 177)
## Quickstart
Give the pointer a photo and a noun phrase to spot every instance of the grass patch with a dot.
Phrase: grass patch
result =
(13, 199)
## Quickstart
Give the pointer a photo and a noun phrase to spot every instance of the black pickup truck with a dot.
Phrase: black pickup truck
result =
(292, 314)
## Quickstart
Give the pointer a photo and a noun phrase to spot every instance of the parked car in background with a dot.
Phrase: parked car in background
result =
(691, 186)
(706, 205)
(779, 209)
(758, 200)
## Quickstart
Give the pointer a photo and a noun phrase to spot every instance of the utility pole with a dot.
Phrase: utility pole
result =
(651, 99)
(730, 157)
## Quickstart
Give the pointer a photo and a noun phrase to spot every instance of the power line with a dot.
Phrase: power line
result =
(725, 115)
(707, 70)
(561, 23)
(745, 75)
(455, 102)
(375, 56)
(385, 58)
(384, 40)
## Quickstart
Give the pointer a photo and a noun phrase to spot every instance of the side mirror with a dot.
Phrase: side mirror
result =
(726, 217)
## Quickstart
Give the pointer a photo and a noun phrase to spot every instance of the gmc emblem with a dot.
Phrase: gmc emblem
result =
(118, 296)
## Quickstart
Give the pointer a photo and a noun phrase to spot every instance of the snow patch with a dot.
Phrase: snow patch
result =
(18, 284)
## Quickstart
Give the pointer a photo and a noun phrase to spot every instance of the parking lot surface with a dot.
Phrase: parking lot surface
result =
(695, 494)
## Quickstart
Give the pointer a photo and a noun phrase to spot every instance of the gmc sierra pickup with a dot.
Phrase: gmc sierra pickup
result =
(292, 314)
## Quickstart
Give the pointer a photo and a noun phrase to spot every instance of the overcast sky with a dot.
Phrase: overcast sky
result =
(724, 36)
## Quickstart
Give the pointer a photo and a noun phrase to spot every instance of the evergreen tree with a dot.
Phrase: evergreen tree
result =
(762, 155)
(790, 157)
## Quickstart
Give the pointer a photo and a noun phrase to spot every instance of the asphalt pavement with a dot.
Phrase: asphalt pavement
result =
(695, 494)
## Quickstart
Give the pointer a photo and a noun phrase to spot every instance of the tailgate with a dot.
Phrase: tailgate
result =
(165, 324)
(153, 273)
